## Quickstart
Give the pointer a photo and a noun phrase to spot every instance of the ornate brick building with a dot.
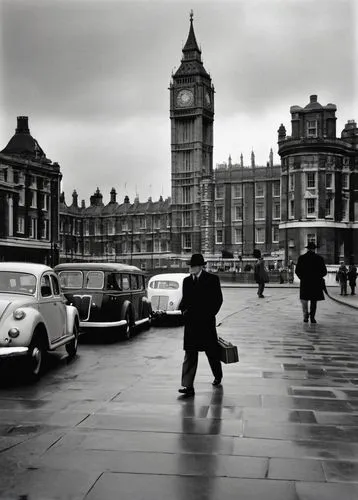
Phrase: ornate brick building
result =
(319, 179)
(29, 200)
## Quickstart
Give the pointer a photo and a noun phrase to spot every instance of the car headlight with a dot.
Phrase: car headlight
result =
(14, 332)
(19, 314)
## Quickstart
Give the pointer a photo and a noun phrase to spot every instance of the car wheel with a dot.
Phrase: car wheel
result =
(128, 328)
(71, 347)
(35, 358)
(148, 324)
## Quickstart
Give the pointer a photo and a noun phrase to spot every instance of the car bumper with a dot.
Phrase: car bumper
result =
(160, 314)
(9, 352)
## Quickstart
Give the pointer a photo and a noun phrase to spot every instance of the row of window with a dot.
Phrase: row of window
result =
(124, 247)
(109, 227)
(33, 223)
(260, 190)
(37, 200)
(311, 181)
(17, 177)
(260, 212)
(311, 208)
(260, 236)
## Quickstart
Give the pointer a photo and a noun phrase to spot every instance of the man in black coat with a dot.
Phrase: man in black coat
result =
(311, 269)
(202, 299)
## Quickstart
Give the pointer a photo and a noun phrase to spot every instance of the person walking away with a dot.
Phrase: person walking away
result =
(342, 275)
(352, 277)
(260, 273)
(202, 299)
(311, 270)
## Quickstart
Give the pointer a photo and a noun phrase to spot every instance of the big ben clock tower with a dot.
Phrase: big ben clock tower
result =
(192, 119)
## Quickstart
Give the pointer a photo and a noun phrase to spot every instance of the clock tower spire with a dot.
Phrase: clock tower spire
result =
(192, 120)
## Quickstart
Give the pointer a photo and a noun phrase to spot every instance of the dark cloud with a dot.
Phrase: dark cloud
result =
(93, 76)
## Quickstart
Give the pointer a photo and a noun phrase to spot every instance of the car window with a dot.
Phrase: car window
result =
(94, 279)
(125, 282)
(45, 286)
(114, 281)
(164, 284)
(134, 282)
(55, 285)
(71, 279)
(17, 282)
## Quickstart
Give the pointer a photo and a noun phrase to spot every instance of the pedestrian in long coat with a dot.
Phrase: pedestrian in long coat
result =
(342, 275)
(202, 299)
(352, 277)
(311, 269)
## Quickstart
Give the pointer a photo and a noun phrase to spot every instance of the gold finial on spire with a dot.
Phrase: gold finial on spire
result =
(191, 15)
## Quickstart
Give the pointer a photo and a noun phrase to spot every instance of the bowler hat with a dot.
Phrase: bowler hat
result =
(196, 260)
(311, 245)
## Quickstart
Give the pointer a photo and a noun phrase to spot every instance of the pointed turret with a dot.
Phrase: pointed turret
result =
(241, 160)
(271, 158)
(191, 63)
(252, 159)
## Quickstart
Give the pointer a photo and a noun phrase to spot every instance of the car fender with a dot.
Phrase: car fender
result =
(126, 306)
(147, 305)
(26, 327)
(71, 317)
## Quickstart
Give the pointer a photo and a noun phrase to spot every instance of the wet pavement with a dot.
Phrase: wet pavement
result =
(110, 424)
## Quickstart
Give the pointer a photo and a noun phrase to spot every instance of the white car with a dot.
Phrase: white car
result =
(34, 317)
(165, 292)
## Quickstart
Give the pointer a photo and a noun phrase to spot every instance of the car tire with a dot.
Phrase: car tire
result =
(36, 358)
(148, 313)
(71, 347)
(128, 328)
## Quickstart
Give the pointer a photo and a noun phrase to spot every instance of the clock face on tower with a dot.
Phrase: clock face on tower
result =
(185, 98)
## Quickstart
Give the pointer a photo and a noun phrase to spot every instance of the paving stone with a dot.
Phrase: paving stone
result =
(326, 491)
(188, 488)
(341, 471)
(296, 470)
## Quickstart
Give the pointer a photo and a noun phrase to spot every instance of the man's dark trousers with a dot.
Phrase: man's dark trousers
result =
(190, 365)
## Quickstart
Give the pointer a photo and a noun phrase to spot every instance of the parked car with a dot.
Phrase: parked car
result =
(165, 292)
(110, 296)
(34, 317)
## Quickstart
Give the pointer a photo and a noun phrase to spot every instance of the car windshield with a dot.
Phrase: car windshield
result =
(17, 282)
(165, 284)
(71, 279)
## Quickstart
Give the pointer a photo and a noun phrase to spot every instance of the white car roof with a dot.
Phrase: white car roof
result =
(169, 277)
(24, 267)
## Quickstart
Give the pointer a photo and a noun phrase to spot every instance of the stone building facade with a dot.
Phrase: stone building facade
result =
(133, 233)
(319, 184)
(29, 200)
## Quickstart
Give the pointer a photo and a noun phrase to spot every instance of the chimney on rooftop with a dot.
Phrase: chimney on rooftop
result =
(22, 125)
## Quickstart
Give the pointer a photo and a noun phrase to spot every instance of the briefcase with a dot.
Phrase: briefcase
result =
(228, 351)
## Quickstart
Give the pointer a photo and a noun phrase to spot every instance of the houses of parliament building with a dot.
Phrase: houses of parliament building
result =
(226, 211)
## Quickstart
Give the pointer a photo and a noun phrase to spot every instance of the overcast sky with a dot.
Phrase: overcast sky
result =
(93, 77)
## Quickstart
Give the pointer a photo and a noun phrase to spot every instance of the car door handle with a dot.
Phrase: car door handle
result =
(55, 303)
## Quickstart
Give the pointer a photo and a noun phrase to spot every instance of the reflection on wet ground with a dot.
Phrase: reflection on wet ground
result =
(284, 424)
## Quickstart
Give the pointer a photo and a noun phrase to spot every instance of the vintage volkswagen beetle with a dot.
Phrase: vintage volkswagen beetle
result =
(108, 296)
(165, 292)
(34, 317)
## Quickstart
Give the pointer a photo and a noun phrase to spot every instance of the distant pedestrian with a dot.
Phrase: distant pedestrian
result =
(260, 273)
(202, 299)
(311, 269)
(352, 277)
(342, 276)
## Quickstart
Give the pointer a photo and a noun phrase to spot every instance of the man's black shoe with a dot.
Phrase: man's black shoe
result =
(216, 381)
(313, 320)
(187, 391)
